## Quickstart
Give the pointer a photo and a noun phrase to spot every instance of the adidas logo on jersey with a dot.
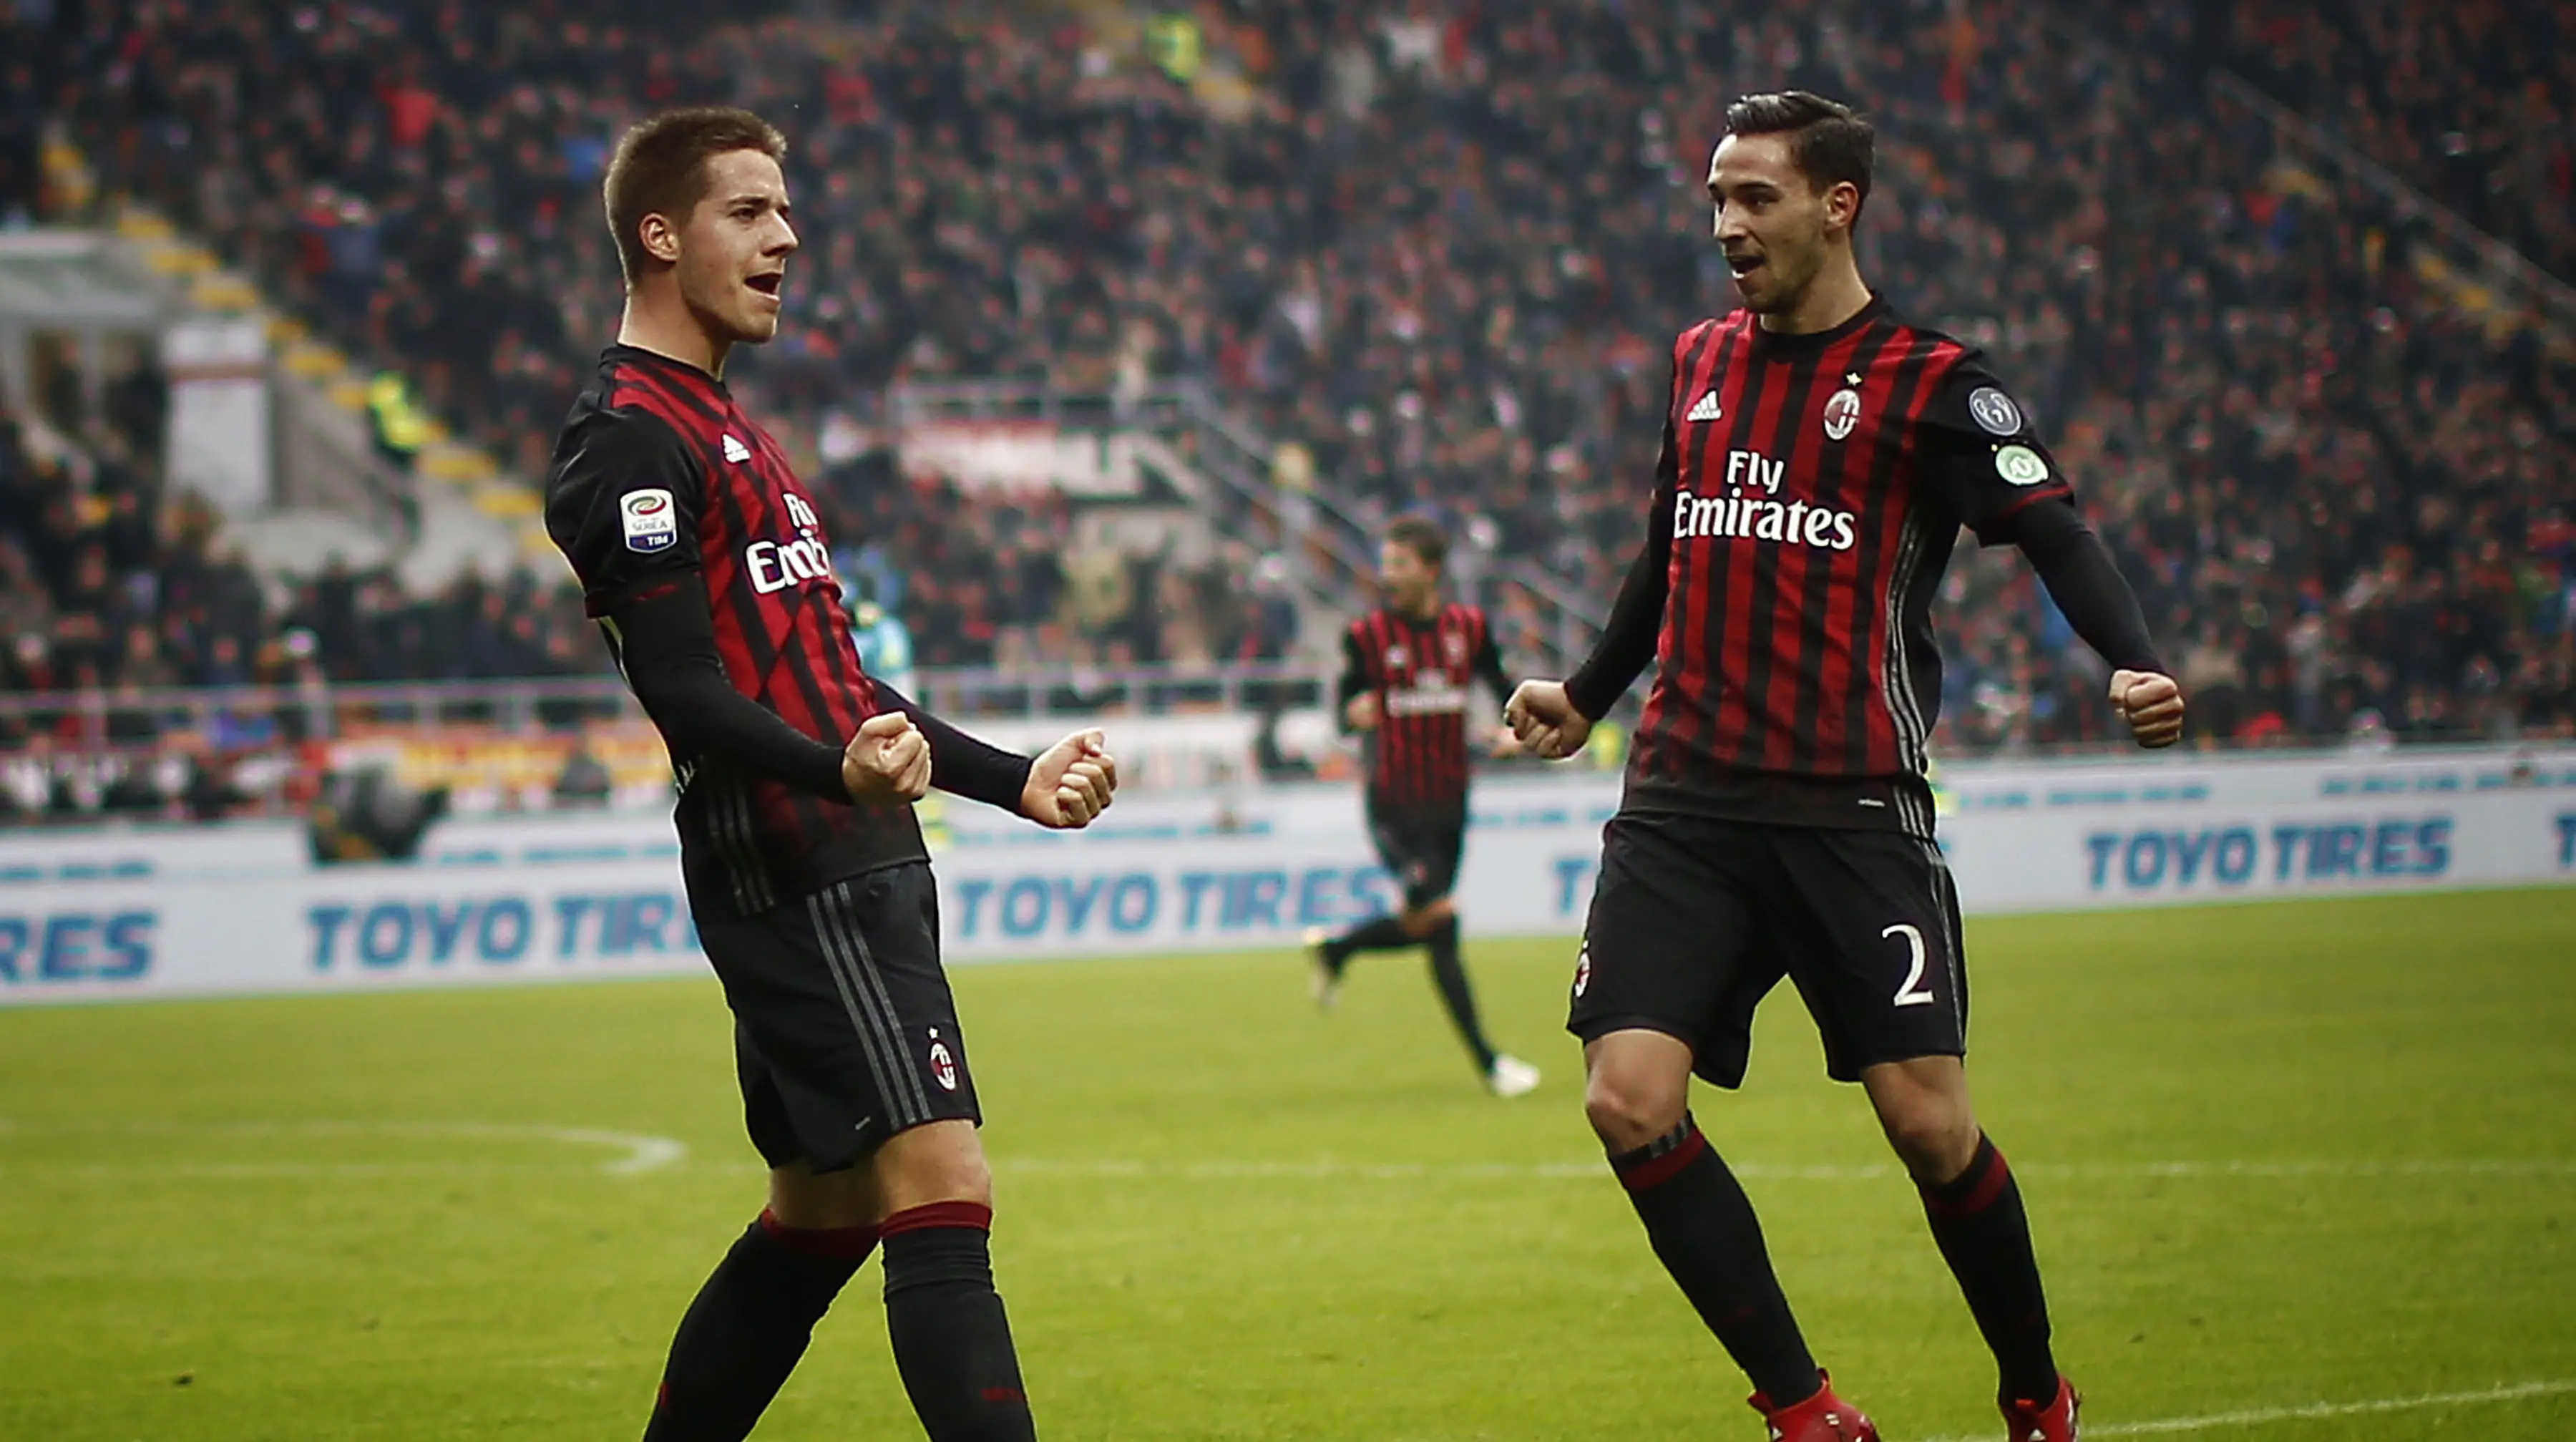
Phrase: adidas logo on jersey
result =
(1706, 409)
(735, 451)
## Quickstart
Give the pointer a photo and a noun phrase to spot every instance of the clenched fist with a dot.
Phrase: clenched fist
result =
(888, 761)
(1545, 722)
(2151, 705)
(1072, 783)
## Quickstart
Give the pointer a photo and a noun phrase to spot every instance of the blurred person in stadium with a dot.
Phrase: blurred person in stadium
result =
(702, 558)
(1819, 457)
(1408, 669)
(884, 645)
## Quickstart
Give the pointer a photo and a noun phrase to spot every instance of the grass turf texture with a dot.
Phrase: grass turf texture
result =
(1223, 1216)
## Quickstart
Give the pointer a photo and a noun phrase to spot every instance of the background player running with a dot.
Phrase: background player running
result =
(1406, 672)
(1819, 457)
(702, 558)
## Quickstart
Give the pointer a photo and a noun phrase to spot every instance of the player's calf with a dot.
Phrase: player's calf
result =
(951, 1337)
(749, 1325)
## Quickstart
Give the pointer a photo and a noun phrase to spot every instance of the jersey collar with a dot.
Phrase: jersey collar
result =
(1795, 347)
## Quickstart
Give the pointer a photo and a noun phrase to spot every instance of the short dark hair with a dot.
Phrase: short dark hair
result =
(1423, 537)
(1829, 142)
(661, 169)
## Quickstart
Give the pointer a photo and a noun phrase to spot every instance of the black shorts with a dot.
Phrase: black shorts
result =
(844, 1029)
(1420, 847)
(1695, 919)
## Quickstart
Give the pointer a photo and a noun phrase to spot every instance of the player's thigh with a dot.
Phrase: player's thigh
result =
(940, 1162)
(1870, 921)
(1675, 942)
(846, 1032)
(1420, 848)
(808, 1200)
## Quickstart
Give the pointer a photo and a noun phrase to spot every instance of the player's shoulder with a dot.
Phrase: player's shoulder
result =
(1960, 390)
(1693, 337)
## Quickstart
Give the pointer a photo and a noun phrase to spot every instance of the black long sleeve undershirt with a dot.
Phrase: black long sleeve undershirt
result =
(666, 643)
(1627, 643)
(962, 765)
(2081, 578)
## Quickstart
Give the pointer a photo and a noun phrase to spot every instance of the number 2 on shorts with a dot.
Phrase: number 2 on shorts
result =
(1911, 993)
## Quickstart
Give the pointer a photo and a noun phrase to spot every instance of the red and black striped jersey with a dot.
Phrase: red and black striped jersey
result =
(1807, 500)
(659, 480)
(1421, 669)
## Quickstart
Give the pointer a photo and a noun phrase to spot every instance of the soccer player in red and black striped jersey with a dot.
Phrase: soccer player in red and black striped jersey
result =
(1407, 672)
(1820, 456)
(705, 564)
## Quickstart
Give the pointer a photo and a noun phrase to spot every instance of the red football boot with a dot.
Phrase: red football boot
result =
(1821, 1418)
(2032, 1422)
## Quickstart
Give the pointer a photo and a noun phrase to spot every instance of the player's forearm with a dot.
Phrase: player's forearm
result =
(962, 765)
(669, 655)
(2088, 588)
(1350, 686)
(1628, 642)
(1489, 669)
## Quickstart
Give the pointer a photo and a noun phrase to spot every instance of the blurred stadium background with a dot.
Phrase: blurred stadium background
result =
(1119, 329)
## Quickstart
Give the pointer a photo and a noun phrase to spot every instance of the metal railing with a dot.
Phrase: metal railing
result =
(253, 716)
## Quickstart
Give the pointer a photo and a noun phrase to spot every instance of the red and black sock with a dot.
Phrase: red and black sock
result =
(1383, 933)
(749, 1325)
(1703, 1228)
(1449, 973)
(952, 1342)
(1978, 1221)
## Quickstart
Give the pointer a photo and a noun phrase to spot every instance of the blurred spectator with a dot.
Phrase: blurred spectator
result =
(584, 780)
(1438, 257)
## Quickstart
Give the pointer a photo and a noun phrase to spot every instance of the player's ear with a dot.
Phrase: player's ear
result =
(1842, 205)
(661, 237)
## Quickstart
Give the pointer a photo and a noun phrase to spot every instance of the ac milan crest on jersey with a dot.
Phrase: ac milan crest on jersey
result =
(1842, 412)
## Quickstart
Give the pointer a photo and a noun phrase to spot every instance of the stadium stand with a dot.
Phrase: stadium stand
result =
(1437, 251)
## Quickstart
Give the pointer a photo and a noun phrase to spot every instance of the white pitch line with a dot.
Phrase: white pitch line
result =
(639, 1152)
(1327, 1168)
(2255, 1416)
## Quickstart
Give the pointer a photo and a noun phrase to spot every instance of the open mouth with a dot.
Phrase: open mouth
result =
(1743, 265)
(769, 283)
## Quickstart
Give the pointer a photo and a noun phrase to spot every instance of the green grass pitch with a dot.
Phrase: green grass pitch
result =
(2307, 1155)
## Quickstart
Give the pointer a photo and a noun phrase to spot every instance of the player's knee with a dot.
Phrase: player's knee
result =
(1429, 917)
(1627, 1109)
(938, 1163)
(1932, 1135)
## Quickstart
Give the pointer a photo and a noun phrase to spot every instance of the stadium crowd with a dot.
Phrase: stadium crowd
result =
(1440, 250)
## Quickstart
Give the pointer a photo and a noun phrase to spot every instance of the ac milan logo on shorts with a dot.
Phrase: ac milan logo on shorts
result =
(1582, 970)
(943, 1067)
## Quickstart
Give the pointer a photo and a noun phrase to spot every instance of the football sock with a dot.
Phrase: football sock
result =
(749, 1325)
(1703, 1229)
(1450, 974)
(1384, 933)
(1978, 1221)
(952, 1342)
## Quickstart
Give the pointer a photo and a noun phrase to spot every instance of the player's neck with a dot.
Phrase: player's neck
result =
(1835, 296)
(662, 324)
(1429, 608)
